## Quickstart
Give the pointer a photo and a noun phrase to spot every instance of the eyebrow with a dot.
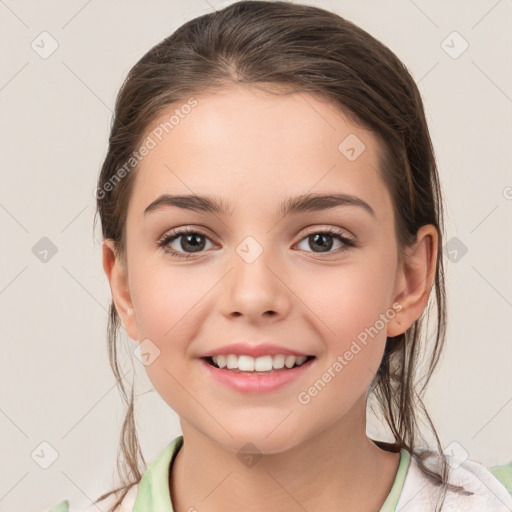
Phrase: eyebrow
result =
(293, 205)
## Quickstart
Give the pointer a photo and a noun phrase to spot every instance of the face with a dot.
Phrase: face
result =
(319, 280)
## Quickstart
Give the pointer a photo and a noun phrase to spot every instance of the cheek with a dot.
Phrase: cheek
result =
(165, 300)
(169, 303)
(352, 311)
(349, 302)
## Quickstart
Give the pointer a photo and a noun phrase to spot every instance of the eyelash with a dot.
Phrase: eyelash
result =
(173, 235)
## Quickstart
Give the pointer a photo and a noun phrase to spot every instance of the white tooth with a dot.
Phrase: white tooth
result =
(232, 361)
(263, 364)
(300, 360)
(289, 361)
(220, 361)
(278, 362)
(260, 364)
(246, 363)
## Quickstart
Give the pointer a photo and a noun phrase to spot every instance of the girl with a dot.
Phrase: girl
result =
(273, 231)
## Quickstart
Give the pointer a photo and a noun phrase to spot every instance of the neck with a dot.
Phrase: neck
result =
(339, 468)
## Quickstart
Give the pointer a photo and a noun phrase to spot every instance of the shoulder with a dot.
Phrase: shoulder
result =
(483, 490)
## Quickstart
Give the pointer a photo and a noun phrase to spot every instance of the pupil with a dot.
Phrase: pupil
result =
(192, 240)
(320, 239)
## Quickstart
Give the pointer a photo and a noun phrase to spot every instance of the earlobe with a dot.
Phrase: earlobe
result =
(118, 280)
(415, 279)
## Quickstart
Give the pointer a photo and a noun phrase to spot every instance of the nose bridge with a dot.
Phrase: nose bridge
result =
(252, 287)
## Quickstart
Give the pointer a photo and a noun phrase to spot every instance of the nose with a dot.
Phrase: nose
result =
(256, 287)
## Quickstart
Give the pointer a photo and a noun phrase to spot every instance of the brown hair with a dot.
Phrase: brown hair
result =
(299, 48)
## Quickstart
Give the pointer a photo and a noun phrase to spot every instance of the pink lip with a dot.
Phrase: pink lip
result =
(255, 384)
(259, 350)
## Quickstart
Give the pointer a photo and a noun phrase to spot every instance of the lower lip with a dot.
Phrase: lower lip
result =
(255, 384)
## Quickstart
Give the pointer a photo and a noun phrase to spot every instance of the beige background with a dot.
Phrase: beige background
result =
(56, 383)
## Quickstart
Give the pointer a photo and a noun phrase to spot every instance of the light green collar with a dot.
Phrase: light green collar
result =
(394, 494)
(153, 493)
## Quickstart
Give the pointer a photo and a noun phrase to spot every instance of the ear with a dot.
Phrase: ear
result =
(414, 280)
(116, 272)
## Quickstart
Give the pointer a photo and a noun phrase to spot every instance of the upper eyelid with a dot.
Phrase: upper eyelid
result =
(200, 229)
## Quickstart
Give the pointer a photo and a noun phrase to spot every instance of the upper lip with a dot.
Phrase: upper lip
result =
(253, 350)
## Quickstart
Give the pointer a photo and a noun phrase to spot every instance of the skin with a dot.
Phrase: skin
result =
(255, 150)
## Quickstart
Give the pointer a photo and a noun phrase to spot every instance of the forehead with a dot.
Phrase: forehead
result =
(251, 146)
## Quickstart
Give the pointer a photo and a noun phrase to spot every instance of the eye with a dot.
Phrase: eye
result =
(192, 240)
(324, 240)
(188, 241)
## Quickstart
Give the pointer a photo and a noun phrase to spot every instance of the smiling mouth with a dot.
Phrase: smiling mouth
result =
(291, 364)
